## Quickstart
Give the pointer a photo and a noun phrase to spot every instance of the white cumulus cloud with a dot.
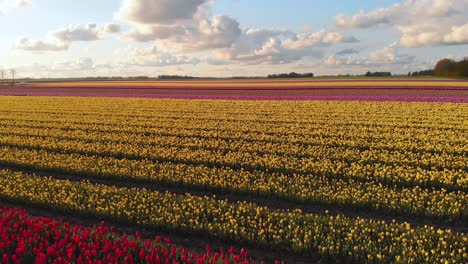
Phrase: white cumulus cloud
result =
(201, 33)
(188, 27)
(386, 57)
(261, 46)
(111, 28)
(153, 57)
(61, 39)
(77, 33)
(158, 11)
(420, 22)
(41, 46)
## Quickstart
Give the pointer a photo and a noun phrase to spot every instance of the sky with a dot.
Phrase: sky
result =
(224, 38)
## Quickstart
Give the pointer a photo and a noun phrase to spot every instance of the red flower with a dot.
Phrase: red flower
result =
(142, 254)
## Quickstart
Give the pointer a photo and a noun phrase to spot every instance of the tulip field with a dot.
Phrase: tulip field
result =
(322, 180)
(47, 238)
(395, 89)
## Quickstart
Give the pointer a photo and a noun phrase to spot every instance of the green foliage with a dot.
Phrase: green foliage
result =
(291, 75)
(452, 68)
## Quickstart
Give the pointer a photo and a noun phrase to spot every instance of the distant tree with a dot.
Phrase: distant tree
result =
(451, 68)
(461, 68)
(291, 75)
(378, 74)
(421, 73)
(294, 75)
(444, 67)
(176, 77)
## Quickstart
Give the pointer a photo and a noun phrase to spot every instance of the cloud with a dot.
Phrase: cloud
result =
(149, 33)
(457, 35)
(61, 39)
(214, 33)
(158, 11)
(388, 56)
(217, 62)
(111, 28)
(202, 33)
(321, 38)
(382, 16)
(347, 52)
(24, 4)
(77, 33)
(432, 35)
(263, 46)
(419, 22)
(80, 67)
(153, 57)
(80, 64)
(6, 6)
(41, 46)
(188, 27)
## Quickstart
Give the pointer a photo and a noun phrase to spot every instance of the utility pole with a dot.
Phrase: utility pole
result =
(2, 73)
(13, 72)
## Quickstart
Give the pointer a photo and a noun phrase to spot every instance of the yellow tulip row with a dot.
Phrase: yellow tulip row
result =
(432, 115)
(368, 168)
(363, 125)
(365, 240)
(305, 117)
(174, 137)
(374, 130)
(245, 130)
(301, 188)
(301, 109)
(354, 135)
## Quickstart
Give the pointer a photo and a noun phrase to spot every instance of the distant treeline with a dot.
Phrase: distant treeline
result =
(291, 75)
(164, 77)
(378, 74)
(422, 73)
(452, 68)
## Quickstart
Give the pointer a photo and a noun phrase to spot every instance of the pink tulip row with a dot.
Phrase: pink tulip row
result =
(379, 98)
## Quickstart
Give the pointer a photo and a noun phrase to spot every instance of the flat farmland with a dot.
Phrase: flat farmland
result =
(308, 89)
(349, 171)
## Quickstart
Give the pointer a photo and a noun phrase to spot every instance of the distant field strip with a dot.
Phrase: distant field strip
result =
(261, 84)
(390, 89)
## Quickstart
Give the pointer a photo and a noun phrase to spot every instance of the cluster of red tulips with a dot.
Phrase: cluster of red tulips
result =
(24, 239)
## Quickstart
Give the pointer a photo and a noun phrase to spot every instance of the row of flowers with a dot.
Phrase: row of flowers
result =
(350, 160)
(368, 129)
(300, 188)
(305, 130)
(40, 240)
(364, 240)
(366, 142)
(274, 115)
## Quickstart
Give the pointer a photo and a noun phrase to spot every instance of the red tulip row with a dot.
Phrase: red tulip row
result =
(24, 239)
